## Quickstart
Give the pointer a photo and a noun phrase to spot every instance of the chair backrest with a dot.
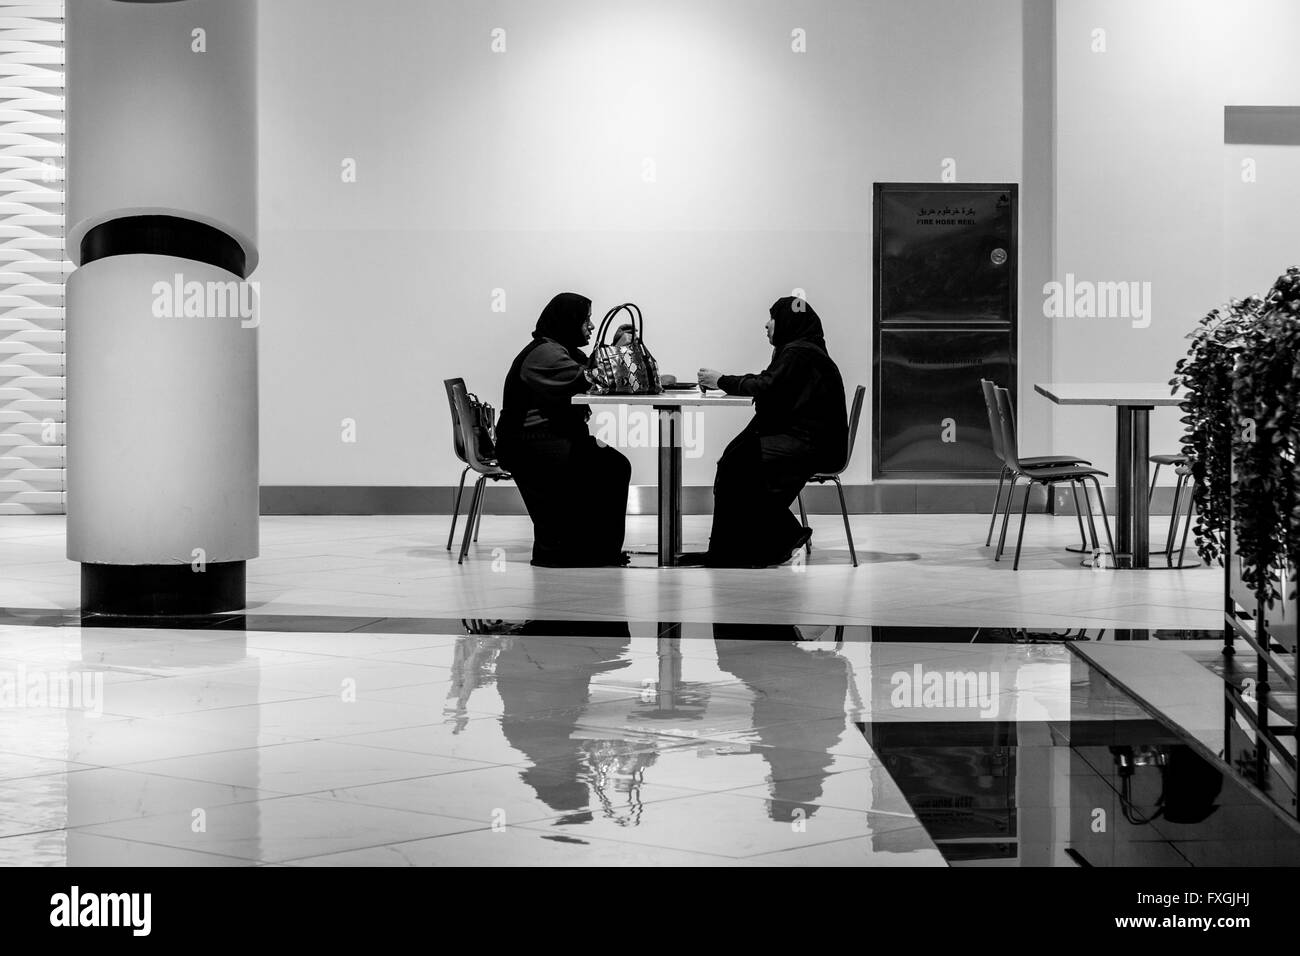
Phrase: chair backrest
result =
(855, 416)
(1006, 416)
(468, 430)
(457, 440)
(995, 421)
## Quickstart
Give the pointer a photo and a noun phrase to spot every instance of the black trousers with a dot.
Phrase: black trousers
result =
(758, 479)
(576, 494)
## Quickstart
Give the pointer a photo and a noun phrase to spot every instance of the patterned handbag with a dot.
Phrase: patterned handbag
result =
(627, 369)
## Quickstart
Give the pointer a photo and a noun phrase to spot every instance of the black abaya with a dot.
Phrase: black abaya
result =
(575, 489)
(800, 427)
(576, 494)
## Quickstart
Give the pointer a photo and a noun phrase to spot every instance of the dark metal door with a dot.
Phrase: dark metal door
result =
(944, 317)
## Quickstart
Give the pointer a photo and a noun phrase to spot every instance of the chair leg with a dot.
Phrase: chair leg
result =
(848, 532)
(478, 518)
(1024, 510)
(803, 520)
(1078, 515)
(1187, 522)
(1105, 521)
(997, 506)
(455, 512)
(1155, 476)
(1172, 534)
(1006, 513)
(469, 518)
(1092, 524)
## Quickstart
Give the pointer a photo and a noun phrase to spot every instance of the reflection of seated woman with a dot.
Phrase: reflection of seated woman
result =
(575, 488)
(799, 427)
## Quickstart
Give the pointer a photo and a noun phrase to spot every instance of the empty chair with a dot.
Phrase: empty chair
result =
(1076, 475)
(471, 442)
(1041, 461)
(458, 446)
(855, 414)
(1159, 461)
(1182, 468)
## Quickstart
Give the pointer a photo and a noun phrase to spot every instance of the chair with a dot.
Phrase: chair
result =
(1050, 476)
(1041, 461)
(486, 468)
(855, 415)
(459, 447)
(1158, 461)
(1182, 468)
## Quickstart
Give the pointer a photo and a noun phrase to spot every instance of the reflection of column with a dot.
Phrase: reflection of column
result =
(162, 347)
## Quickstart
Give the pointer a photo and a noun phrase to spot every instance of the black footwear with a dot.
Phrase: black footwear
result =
(693, 559)
(802, 539)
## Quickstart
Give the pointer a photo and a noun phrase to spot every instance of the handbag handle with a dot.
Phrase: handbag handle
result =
(638, 323)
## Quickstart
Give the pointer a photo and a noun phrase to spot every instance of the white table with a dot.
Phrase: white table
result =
(1133, 403)
(669, 406)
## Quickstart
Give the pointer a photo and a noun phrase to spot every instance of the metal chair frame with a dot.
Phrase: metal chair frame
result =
(1076, 475)
(487, 469)
(1043, 461)
(855, 416)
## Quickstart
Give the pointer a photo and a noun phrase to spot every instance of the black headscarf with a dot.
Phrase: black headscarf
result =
(795, 321)
(562, 321)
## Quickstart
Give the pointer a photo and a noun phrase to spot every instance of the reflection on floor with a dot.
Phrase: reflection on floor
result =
(269, 741)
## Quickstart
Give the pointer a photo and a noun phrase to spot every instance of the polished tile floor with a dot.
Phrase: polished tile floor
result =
(916, 569)
(379, 705)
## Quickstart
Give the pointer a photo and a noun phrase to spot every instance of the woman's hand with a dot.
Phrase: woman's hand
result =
(708, 377)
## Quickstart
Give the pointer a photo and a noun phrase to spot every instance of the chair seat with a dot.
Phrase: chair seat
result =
(1061, 473)
(1168, 459)
(1047, 461)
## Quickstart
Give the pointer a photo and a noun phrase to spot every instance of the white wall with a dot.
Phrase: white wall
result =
(523, 171)
(1144, 188)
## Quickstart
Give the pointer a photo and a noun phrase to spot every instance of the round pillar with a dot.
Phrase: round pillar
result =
(161, 313)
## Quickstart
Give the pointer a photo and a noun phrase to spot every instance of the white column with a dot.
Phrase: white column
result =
(162, 340)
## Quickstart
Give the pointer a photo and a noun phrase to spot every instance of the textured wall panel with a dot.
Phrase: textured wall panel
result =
(33, 265)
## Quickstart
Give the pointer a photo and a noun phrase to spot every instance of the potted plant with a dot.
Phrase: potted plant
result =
(1241, 377)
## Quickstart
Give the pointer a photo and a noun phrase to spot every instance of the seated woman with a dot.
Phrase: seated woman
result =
(575, 488)
(800, 427)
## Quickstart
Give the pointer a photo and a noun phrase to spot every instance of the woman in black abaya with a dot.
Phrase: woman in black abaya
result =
(575, 488)
(800, 427)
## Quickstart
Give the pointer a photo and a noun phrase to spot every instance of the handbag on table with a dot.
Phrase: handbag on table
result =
(627, 369)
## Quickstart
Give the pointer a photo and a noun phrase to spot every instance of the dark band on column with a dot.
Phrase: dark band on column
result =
(164, 236)
(162, 589)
